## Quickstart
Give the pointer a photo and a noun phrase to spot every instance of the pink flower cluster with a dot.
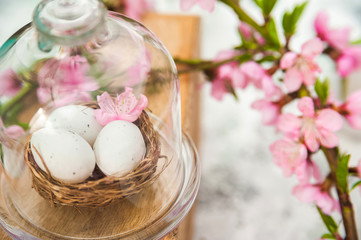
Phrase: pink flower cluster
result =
(124, 107)
(65, 81)
(301, 68)
(303, 135)
(10, 133)
(349, 59)
(10, 83)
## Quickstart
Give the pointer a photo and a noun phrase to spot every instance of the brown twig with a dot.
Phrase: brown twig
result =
(347, 211)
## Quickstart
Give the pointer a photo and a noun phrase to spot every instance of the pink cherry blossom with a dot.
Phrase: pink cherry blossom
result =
(139, 71)
(271, 90)
(337, 38)
(248, 33)
(218, 88)
(137, 8)
(313, 193)
(350, 56)
(269, 109)
(124, 107)
(226, 74)
(10, 133)
(307, 170)
(315, 128)
(253, 73)
(65, 81)
(352, 109)
(10, 84)
(288, 155)
(245, 30)
(349, 61)
(204, 4)
(301, 68)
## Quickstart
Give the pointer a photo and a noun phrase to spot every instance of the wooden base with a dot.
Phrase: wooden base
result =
(180, 34)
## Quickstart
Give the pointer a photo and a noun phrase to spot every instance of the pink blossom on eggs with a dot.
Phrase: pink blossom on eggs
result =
(204, 4)
(315, 128)
(301, 68)
(337, 38)
(313, 193)
(288, 155)
(10, 84)
(124, 107)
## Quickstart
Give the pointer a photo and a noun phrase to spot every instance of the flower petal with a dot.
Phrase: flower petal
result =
(321, 24)
(106, 103)
(306, 106)
(293, 79)
(312, 48)
(270, 111)
(245, 30)
(288, 60)
(289, 123)
(346, 65)
(218, 89)
(270, 89)
(325, 202)
(253, 72)
(353, 103)
(305, 192)
(329, 119)
(354, 120)
(328, 139)
(311, 140)
(14, 131)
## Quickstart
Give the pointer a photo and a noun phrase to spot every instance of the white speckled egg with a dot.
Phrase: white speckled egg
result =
(68, 156)
(76, 118)
(119, 148)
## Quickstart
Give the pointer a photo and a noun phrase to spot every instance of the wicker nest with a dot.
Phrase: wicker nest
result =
(100, 190)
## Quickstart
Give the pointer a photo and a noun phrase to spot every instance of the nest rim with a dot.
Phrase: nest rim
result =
(96, 192)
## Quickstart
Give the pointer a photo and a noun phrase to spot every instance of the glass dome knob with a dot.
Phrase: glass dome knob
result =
(68, 22)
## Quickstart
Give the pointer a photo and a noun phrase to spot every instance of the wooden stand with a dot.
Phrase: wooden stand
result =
(180, 34)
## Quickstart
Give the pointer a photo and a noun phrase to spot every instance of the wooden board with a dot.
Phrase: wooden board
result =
(182, 41)
(181, 35)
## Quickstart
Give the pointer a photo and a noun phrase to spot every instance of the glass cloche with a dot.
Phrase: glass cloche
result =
(90, 131)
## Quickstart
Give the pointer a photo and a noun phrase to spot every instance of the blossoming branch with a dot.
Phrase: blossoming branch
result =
(260, 55)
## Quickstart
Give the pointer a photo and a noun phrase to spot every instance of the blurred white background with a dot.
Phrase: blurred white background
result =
(243, 194)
